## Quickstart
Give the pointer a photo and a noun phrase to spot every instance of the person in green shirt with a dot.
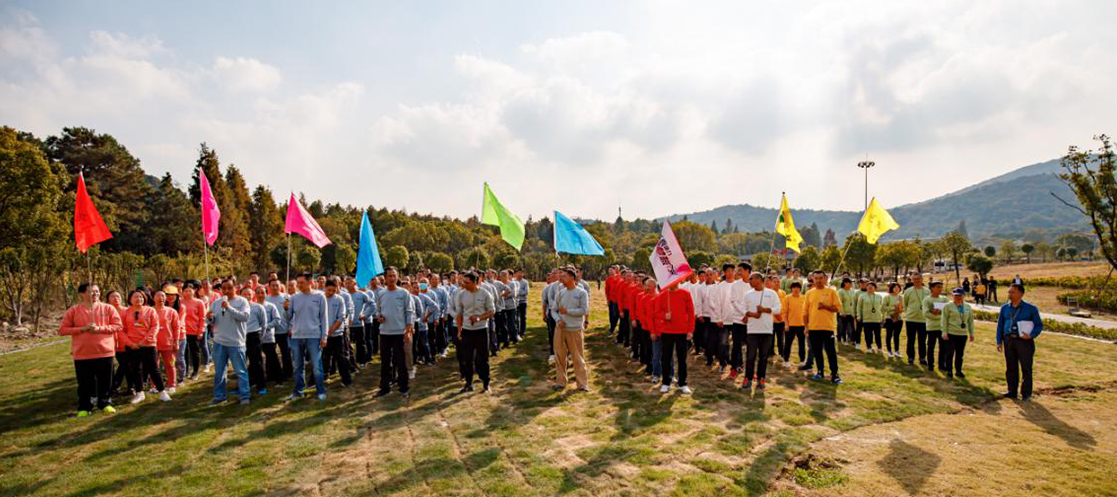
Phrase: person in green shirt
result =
(932, 309)
(846, 320)
(915, 323)
(957, 329)
(894, 318)
(870, 313)
(858, 327)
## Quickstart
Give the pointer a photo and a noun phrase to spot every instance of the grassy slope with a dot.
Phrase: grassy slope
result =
(524, 440)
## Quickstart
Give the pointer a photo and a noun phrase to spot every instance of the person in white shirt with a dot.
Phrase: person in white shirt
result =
(717, 301)
(695, 285)
(741, 287)
(761, 304)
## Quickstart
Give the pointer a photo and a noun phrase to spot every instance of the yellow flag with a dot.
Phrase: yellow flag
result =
(786, 227)
(876, 222)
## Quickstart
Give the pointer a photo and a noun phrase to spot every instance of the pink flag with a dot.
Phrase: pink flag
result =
(668, 261)
(211, 215)
(299, 221)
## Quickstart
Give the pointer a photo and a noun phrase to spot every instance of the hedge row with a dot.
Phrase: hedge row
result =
(1070, 282)
(1061, 327)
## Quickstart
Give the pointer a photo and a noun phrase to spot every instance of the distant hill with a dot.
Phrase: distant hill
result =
(1006, 205)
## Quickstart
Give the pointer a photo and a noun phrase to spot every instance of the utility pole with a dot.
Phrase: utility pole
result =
(866, 164)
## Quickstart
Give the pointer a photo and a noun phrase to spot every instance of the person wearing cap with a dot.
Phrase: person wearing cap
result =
(1018, 326)
(932, 309)
(957, 329)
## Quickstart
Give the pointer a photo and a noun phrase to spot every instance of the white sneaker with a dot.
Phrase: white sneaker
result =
(136, 399)
(411, 375)
(664, 389)
(209, 368)
(787, 364)
(856, 346)
(685, 390)
(164, 396)
(551, 360)
(171, 390)
(444, 355)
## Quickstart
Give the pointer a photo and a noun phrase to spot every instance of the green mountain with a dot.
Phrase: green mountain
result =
(1004, 206)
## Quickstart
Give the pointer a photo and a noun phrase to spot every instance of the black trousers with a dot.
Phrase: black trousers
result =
(845, 327)
(822, 341)
(255, 356)
(917, 334)
(872, 334)
(121, 372)
(501, 329)
(1018, 363)
(194, 346)
(778, 332)
(856, 327)
(793, 333)
(392, 364)
(373, 338)
(954, 349)
(521, 330)
(495, 325)
(474, 355)
(357, 335)
(700, 327)
(551, 332)
(142, 362)
(933, 337)
(759, 347)
(740, 331)
(273, 369)
(614, 316)
(625, 329)
(283, 343)
(94, 381)
(892, 338)
(334, 356)
(646, 348)
(637, 341)
(677, 344)
(717, 344)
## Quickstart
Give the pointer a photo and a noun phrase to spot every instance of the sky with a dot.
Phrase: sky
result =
(585, 107)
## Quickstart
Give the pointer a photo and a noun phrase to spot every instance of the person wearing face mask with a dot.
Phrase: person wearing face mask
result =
(92, 327)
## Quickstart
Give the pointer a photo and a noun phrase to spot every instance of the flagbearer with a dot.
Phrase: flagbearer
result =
(957, 329)
(92, 326)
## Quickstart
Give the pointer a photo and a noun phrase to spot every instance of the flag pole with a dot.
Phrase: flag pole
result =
(288, 277)
(88, 266)
(843, 259)
(773, 249)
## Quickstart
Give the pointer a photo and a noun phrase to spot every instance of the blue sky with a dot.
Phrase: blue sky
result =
(658, 107)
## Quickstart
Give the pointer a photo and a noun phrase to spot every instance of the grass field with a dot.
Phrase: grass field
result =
(889, 430)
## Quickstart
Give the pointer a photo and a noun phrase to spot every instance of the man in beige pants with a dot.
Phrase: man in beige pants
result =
(572, 304)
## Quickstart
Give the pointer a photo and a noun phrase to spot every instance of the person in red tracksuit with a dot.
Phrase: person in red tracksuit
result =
(673, 312)
(644, 297)
(631, 289)
(624, 314)
(610, 289)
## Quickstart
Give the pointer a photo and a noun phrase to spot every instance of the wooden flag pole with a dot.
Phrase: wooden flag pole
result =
(843, 259)
(779, 212)
(288, 259)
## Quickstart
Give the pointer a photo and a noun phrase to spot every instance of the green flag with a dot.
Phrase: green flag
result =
(494, 214)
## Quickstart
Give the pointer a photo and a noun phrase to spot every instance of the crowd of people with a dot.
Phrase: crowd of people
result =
(306, 330)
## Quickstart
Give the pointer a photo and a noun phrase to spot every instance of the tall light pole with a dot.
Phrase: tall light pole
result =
(866, 164)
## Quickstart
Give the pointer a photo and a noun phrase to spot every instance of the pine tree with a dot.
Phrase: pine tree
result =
(172, 216)
(728, 226)
(829, 239)
(265, 224)
(714, 226)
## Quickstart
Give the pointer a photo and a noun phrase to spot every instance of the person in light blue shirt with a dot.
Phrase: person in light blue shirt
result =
(335, 357)
(357, 322)
(1018, 342)
(230, 314)
(441, 296)
(428, 312)
(273, 370)
(308, 325)
(375, 288)
(277, 298)
(396, 313)
(523, 290)
(257, 323)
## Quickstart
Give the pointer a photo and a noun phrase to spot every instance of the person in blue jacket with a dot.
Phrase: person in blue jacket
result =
(1018, 326)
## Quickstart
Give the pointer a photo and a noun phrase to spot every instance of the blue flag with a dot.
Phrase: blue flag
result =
(368, 255)
(572, 238)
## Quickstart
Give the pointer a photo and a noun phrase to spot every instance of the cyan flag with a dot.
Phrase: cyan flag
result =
(572, 238)
(368, 255)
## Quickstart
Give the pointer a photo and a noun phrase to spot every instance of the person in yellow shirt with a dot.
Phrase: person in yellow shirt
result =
(823, 305)
(794, 308)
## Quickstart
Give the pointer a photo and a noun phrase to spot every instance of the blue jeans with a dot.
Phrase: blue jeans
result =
(180, 363)
(657, 357)
(313, 348)
(222, 354)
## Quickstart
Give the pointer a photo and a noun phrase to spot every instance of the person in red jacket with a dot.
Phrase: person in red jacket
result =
(644, 297)
(624, 316)
(610, 290)
(674, 323)
(166, 340)
(141, 327)
(92, 326)
(120, 373)
(631, 289)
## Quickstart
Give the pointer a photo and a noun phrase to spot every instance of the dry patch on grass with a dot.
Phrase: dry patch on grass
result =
(1050, 269)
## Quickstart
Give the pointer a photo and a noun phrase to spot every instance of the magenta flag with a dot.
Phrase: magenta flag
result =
(299, 221)
(211, 215)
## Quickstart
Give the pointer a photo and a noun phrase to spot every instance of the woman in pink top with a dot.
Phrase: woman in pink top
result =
(194, 320)
(166, 340)
(141, 326)
(92, 326)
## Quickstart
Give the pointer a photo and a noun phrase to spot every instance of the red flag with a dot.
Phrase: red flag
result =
(211, 215)
(300, 221)
(89, 228)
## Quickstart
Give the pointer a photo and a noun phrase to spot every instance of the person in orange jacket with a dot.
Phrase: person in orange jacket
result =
(141, 326)
(92, 326)
(166, 340)
(674, 317)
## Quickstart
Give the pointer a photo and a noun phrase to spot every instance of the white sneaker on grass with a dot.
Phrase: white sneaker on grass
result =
(164, 396)
(171, 390)
(551, 360)
(664, 389)
(685, 390)
(136, 399)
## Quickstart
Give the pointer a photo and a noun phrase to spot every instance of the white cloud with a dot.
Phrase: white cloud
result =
(246, 74)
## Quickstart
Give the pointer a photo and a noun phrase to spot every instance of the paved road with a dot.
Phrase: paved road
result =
(1100, 323)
